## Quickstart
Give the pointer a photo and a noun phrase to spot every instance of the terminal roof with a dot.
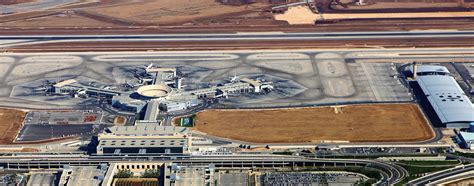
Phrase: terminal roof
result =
(147, 129)
(447, 98)
(468, 136)
(429, 68)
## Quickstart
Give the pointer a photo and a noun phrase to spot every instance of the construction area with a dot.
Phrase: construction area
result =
(352, 123)
(10, 125)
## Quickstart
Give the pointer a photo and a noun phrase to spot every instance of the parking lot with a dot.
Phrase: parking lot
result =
(233, 178)
(309, 178)
(47, 132)
(64, 117)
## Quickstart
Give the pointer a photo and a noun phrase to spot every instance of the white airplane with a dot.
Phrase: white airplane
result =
(235, 78)
(149, 66)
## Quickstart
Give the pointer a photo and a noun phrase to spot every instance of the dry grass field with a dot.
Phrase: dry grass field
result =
(10, 124)
(354, 123)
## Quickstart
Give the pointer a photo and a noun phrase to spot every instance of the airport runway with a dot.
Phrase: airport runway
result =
(13, 40)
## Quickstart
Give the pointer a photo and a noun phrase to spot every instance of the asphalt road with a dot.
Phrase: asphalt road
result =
(441, 175)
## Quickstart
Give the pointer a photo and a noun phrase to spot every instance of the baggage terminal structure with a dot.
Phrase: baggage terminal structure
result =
(161, 89)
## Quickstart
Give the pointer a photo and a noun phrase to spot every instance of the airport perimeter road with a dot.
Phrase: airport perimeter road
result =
(10, 41)
(391, 174)
(426, 180)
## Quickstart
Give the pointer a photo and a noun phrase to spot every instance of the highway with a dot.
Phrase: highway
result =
(13, 40)
(390, 173)
(425, 180)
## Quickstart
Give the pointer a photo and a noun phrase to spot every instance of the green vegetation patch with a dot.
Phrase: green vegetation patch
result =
(428, 163)
(416, 171)
(372, 156)
(124, 173)
(467, 155)
(369, 172)
(187, 121)
(151, 173)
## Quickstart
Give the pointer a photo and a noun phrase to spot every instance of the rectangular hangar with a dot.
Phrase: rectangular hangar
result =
(452, 106)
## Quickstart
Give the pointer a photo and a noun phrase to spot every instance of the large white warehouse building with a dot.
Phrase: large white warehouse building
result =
(448, 100)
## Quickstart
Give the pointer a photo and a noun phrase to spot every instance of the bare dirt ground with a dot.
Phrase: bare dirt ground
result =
(12, 2)
(354, 123)
(10, 124)
(59, 20)
(463, 182)
(170, 11)
(20, 150)
(185, 16)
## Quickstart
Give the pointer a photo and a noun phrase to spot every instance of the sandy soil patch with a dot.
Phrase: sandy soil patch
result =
(303, 15)
(297, 16)
(10, 124)
(355, 123)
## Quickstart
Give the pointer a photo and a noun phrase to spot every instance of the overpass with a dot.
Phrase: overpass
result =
(438, 177)
(390, 173)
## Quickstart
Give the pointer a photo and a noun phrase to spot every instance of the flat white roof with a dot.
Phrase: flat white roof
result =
(65, 82)
(467, 136)
(147, 129)
(447, 98)
(429, 68)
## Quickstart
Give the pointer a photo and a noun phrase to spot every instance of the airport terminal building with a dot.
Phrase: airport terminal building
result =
(143, 139)
(452, 106)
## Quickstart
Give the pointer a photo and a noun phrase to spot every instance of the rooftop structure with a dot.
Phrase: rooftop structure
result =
(191, 175)
(126, 103)
(137, 169)
(146, 130)
(42, 179)
(82, 176)
(144, 139)
(73, 86)
(467, 139)
(448, 100)
(152, 110)
(154, 91)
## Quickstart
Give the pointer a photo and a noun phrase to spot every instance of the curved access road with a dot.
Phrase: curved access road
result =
(444, 174)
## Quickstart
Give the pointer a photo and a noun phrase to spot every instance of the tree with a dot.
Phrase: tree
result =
(124, 173)
(151, 173)
(12, 179)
